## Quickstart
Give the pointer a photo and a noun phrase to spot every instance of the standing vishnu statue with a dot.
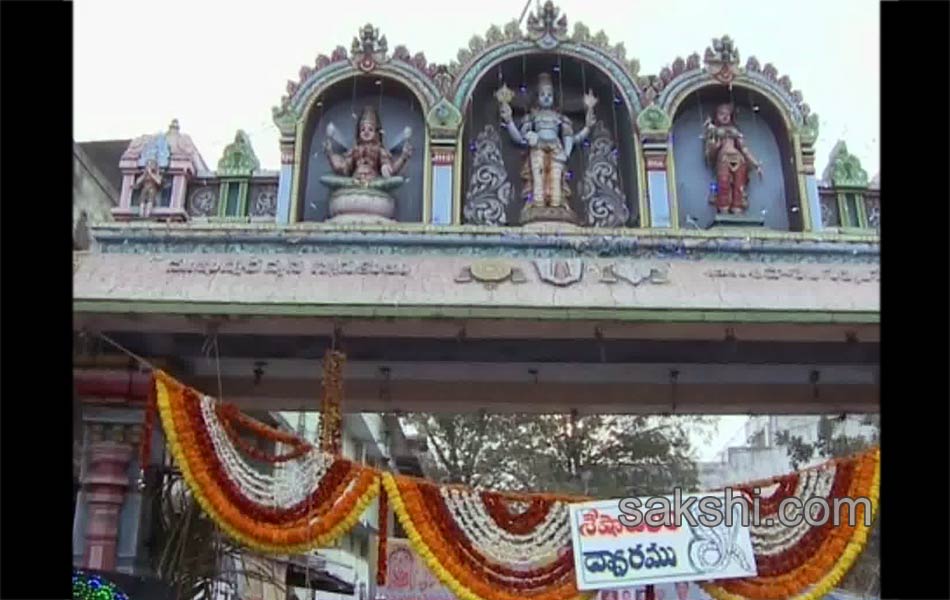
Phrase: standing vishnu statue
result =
(727, 154)
(549, 137)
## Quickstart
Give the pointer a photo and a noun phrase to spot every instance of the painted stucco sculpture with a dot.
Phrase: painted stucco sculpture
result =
(602, 195)
(149, 185)
(728, 155)
(365, 172)
(489, 191)
(549, 137)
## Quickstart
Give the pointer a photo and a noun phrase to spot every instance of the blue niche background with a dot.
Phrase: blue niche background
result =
(774, 197)
(342, 104)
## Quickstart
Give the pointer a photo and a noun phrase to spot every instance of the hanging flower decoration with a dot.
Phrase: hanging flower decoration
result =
(807, 562)
(479, 556)
(381, 550)
(332, 418)
(307, 502)
(481, 545)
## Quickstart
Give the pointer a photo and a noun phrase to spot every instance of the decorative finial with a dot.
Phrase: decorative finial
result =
(547, 28)
(722, 59)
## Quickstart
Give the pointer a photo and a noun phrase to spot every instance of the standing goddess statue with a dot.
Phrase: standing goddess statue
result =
(727, 153)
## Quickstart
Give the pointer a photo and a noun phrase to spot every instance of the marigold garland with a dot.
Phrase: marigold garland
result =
(451, 558)
(481, 545)
(331, 417)
(336, 516)
(830, 562)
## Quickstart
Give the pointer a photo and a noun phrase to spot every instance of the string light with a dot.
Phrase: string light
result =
(94, 587)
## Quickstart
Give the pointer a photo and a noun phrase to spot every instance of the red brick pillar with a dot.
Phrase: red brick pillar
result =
(105, 484)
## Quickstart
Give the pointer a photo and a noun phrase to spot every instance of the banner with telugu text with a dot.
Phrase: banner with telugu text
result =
(609, 554)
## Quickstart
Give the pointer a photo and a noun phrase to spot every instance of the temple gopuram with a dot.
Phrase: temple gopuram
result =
(536, 226)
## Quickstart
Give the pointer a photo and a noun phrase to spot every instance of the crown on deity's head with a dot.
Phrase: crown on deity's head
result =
(545, 79)
(369, 114)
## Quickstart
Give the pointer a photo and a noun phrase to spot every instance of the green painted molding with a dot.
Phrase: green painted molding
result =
(444, 119)
(238, 159)
(654, 122)
(808, 132)
(844, 169)
(470, 312)
(286, 120)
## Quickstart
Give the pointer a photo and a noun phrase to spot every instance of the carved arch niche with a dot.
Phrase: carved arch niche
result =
(609, 144)
(398, 86)
(577, 61)
(770, 118)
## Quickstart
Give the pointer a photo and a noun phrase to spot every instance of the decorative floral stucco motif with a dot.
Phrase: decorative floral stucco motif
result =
(285, 119)
(808, 132)
(653, 85)
(582, 35)
(369, 49)
(368, 53)
(722, 59)
(238, 158)
(548, 27)
(653, 121)
(844, 169)
(444, 119)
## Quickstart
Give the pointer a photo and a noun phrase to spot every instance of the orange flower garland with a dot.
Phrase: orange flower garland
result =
(455, 562)
(451, 527)
(828, 563)
(320, 525)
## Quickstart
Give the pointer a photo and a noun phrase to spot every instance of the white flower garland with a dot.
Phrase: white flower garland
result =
(773, 539)
(292, 482)
(528, 551)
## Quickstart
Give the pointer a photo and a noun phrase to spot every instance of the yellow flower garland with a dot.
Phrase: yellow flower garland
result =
(842, 566)
(326, 539)
(820, 588)
(419, 545)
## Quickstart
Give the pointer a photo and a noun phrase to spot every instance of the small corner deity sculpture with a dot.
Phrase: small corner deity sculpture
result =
(727, 154)
(549, 137)
(150, 184)
(365, 172)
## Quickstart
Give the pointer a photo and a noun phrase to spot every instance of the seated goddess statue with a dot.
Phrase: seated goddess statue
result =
(549, 137)
(365, 172)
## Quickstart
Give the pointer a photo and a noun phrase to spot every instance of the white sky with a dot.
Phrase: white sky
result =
(220, 66)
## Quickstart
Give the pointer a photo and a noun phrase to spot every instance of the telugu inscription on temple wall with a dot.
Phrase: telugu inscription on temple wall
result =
(281, 266)
(796, 274)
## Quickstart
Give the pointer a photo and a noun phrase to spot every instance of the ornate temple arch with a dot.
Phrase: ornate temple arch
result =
(546, 35)
(719, 75)
(368, 57)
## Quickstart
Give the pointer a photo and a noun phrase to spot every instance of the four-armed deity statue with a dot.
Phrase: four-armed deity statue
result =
(727, 153)
(549, 137)
(365, 172)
